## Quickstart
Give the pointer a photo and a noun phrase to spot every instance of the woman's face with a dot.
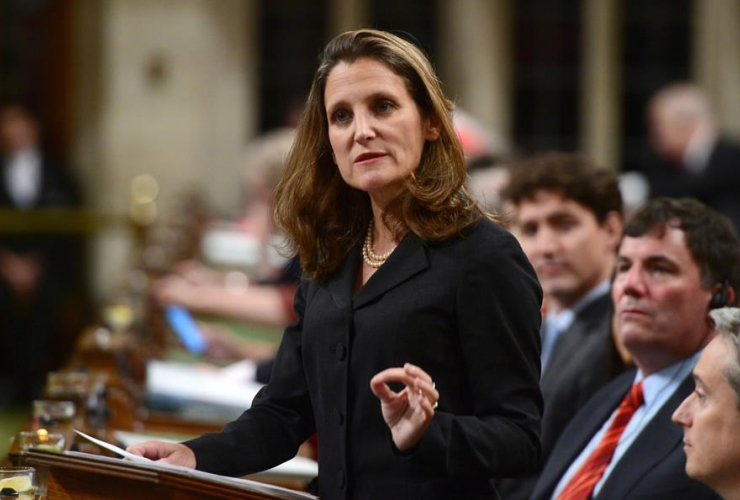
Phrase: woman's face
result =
(376, 130)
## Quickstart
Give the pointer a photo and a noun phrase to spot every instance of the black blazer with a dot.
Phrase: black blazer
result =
(652, 468)
(466, 311)
(583, 361)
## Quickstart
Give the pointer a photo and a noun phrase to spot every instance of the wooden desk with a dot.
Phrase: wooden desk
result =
(74, 476)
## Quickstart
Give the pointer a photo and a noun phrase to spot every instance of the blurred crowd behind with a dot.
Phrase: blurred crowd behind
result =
(141, 141)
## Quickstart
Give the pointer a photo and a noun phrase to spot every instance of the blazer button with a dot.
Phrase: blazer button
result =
(340, 352)
(341, 479)
(339, 417)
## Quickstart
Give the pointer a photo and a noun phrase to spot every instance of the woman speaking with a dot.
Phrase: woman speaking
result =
(415, 356)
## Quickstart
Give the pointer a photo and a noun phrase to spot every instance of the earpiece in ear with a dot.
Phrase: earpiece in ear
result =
(721, 298)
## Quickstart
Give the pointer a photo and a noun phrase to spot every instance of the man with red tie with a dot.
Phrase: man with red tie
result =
(677, 260)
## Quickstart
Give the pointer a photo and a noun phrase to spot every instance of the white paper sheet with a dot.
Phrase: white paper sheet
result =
(245, 484)
(300, 468)
(111, 447)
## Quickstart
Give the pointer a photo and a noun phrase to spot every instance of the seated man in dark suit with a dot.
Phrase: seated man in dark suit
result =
(700, 161)
(567, 216)
(710, 416)
(677, 260)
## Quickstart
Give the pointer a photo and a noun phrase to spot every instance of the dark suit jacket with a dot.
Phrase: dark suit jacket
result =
(466, 311)
(584, 360)
(50, 320)
(717, 186)
(652, 468)
(720, 184)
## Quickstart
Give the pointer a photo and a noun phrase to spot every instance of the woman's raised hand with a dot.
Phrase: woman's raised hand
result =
(409, 412)
(170, 453)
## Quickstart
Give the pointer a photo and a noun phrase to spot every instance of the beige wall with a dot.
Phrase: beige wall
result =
(171, 93)
(346, 15)
(475, 59)
(716, 57)
(600, 118)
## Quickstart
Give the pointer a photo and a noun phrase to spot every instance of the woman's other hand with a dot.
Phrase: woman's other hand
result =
(409, 412)
(170, 453)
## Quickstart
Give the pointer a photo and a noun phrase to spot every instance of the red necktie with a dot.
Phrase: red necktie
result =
(583, 481)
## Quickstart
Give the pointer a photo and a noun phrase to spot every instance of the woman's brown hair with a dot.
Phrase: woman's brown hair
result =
(322, 216)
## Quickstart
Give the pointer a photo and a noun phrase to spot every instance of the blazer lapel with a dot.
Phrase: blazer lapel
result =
(407, 260)
(655, 442)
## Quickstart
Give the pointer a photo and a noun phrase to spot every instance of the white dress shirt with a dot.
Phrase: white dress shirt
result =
(698, 151)
(23, 178)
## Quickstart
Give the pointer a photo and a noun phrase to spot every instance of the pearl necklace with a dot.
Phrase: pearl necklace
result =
(371, 258)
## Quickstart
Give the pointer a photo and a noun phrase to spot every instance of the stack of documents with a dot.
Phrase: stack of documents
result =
(201, 391)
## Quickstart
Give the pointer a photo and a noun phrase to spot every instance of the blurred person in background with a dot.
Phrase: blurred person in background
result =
(710, 416)
(487, 180)
(486, 156)
(42, 298)
(415, 356)
(705, 164)
(677, 260)
(567, 214)
(265, 298)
